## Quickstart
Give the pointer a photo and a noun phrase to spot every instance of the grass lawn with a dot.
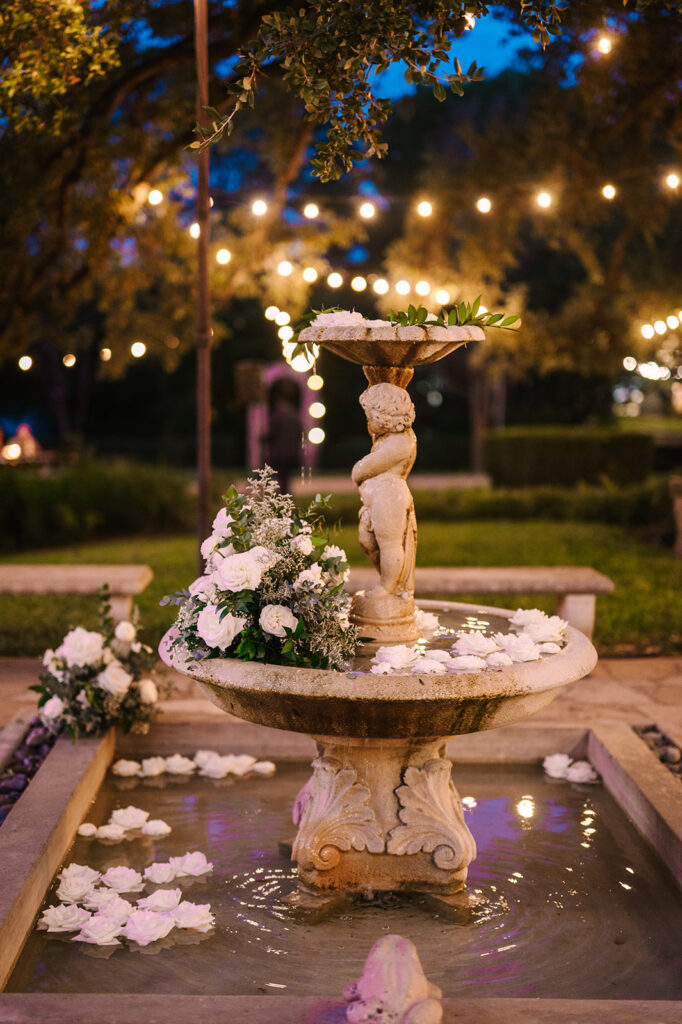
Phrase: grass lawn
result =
(644, 615)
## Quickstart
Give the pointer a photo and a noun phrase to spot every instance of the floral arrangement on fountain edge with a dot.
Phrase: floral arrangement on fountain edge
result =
(96, 679)
(273, 586)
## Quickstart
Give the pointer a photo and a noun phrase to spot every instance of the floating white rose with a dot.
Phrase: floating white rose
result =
(159, 873)
(428, 666)
(125, 632)
(114, 679)
(426, 622)
(176, 764)
(302, 544)
(156, 827)
(218, 630)
(148, 691)
(52, 708)
(117, 909)
(467, 663)
(81, 647)
(125, 769)
(191, 865)
(152, 766)
(473, 642)
(197, 916)
(114, 833)
(527, 616)
(63, 918)
(73, 871)
(580, 771)
(202, 757)
(396, 655)
(242, 571)
(311, 577)
(264, 768)
(99, 899)
(556, 764)
(122, 879)
(276, 618)
(550, 648)
(99, 930)
(519, 648)
(550, 630)
(129, 817)
(381, 668)
(239, 764)
(87, 830)
(161, 901)
(438, 655)
(144, 926)
(498, 659)
(74, 889)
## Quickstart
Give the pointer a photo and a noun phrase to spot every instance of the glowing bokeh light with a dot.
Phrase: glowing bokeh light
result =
(380, 286)
(284, 268)
(194, 230)
(425, 209)
(403, 287)
(484, 205)
(315, 382)
(138, 349)
(316, 435)
(259, 207)
(311, 211)
(334, 280)
(358, 284)
(282, 319)
(608, 192)
(69, 359)
(442, 296)
(25, 363)
(271, 312)
(543, 199)
(422, 287)
(317, 410)
(155, 197)
(223, 256)
(310, 275)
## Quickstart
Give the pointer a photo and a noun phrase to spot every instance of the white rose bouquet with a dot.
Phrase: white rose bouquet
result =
(96, 679)
(273, 587)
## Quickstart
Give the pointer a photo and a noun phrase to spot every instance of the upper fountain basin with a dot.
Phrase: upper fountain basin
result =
(390, 346)
(357, 704)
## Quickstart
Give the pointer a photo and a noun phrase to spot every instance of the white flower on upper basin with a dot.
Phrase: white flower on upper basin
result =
(125, 632)
(52, 708)
(243, 571)
(550, 630)
(87, 830)
(152, 766)
(111, 831)
(100, 930)
(527, 616)
(197, 916)
(312, 577)
(217, 631)
(426, 622)
(81, 647)
(125, 768)
(473, 642)
(381, 668)
(397, 655)
(222, 523)
(519, 647)
(156, 827)
(161, 901)
(275, 618)
(159, 873)
(122, 879)
(428, 666)
(114, 679)
(63, 918)
(343, 318)
(439, 655)
(580, 771)
(191, 865)
(144, 926)
(302, 544)
(129, 817)
(264, 768)
(148, 691)
(202, 757)
(498, 659)
(467, 663)
(556, 764)
(117, 909)
(176, 764)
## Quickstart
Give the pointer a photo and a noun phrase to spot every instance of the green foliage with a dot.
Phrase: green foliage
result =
(461, 315)
(567, 455)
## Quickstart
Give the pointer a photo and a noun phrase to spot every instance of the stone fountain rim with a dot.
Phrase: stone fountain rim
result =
(576, 660)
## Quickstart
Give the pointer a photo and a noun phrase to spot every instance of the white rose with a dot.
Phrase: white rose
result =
(156, 827)
(161, 901)
(148, 692)
(215, 767)
(396, 655)
(239, 764)
(312, 577)
(243, 571)
(467, 663)
(527, 616)
(72, 871)
(197, 916)
(191, 865)
(114, 679)
(100, 899)
(264, 768)
(221, 523)
(216, 631)
(129, 817)
(81, 647)
(498, 659)
(52, 708)
(152, 766)
(87, 830)
(202, 757)
(474, 643)
(117, 909)
(580, 771)
(428, 666)
(125, 769)
(426, 622)
(176, 764)
(48, 658)
(550, 648)
(112, 832)
(556, 765)
(100, 931)
(332, 551)
(122, 879)
(519, 648)
(302, 544)
(159, 873)
(275, 618)
(550, 630)
(144, 926)
(381, 668)
(209, 545)
(74, 889)
(203, 587)
(65, 917)
(125, 632)
(438, 655)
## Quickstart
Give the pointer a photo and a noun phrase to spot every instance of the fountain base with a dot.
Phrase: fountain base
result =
(384, 618)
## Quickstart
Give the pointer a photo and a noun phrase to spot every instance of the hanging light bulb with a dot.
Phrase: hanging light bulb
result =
(358, 284)
(380, 286)
(403, 288)
(484, 205)
(334, 280)
(422, 287)
(310, 275)
(608, 192)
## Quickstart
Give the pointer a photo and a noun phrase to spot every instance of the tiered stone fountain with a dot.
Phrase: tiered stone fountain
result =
(381, 811)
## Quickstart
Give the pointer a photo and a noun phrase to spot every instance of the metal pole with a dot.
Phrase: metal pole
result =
(203, 297)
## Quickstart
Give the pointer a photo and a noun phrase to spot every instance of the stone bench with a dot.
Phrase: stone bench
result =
(575, 587)
(124, 582)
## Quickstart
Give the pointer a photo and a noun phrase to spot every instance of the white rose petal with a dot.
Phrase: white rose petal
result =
(144, 926)
(333, 551)
(239, 764)
(125, 632)
(100, 931)
(527, 616)
(222, 523)
(176, 764)
(428, 667)
(519, 648)
(550, 630)
(159, 873)
(197, 916)
(48, 658)
(275, 618)
(152, 766)
(161, 901)
(473, 642)
(302, 544)
(209, 545)
(125, 768)
(264, 768)
(556, 765)
(129, 817)
(218, 630)
(498, 659)
(112, 832)
(148, 691)
(156, 827)
(580, 771)
(426, 622)
(191, 865)
(81, 647)
(396, 655)
(114, 679)
(122, 879)
(550, 648)
(311, 577)
(467, 663)
(52, 708)
(65, 917)
(87, 830)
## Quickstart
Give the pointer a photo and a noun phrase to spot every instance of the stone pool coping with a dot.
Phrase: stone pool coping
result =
(41, 828)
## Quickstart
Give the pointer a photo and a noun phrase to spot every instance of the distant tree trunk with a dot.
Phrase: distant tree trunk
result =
(478, 394)
(55, 383)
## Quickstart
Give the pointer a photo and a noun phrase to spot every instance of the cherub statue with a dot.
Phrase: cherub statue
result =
(388, 527)
(393, 988)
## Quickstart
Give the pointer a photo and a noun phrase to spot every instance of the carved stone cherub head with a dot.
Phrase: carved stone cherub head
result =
(388, 409)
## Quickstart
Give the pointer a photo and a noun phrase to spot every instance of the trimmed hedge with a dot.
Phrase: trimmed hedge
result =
(523, 457)
(91, 500)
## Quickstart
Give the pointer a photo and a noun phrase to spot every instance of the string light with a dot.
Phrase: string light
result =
(223, 256)
(11, 451)
(301, 364)
(25, 363)
(358, 284)
(367, 211)
(442, 296)
(608, 192)
(648, 331)
(285, 333)
(380, 286)
(259, 207)
(316, 435)
(672, 181)
(422, 287)
(660, 326)
(543, 199)
(315, 382)
(105, 354)
(425, 209)
(194, 230)
(484, 205)
(271, 312)
(138, 349)
(630, 363)
(403, 287)
(155, 197)
(311, 211)
(317, 410)
(672, 321)
(310, 275)
(282, 319)
(69, 360)
(285, 268)
(604, 44)
(335, 280)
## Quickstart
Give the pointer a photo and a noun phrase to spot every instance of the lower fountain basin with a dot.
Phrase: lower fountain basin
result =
(358, 704)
